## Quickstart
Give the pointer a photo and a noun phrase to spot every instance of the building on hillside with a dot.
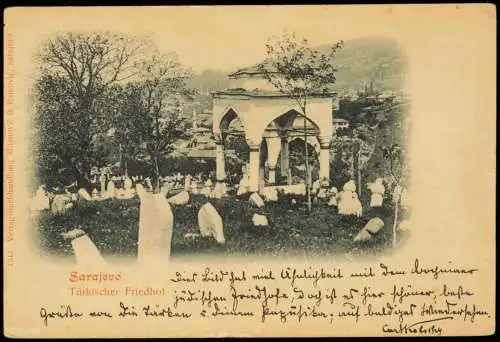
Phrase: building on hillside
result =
(268, 118)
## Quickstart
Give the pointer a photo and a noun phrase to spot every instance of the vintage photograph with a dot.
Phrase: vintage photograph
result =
(137, 153)
(250, 171)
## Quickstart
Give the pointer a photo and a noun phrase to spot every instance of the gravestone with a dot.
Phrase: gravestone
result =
(207, 189)
(110, 190)
(59, 204)
(194, 187)
(86, 253)
(377, 197)
(256, 200)
(156, 222)
(179, 199)
(259, 220)
(210, 223)
(84, 194)
(349, 203)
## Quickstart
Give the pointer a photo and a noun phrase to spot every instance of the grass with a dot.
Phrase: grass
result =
(113, 226)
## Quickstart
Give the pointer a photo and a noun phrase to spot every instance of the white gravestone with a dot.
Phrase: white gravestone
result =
(156, 222)
(371, 228)
(86, 253)
(110, 190)
(349, 203)
(256, 200)
(207, 189)
(270, 194)
(187, 182)
(102, 180)
(259, 220)
(84, 194)
(334, 193)
(210, 223)
(60, 204)
(377, 188)
(243, 186)
(194, 187)
(180, 199)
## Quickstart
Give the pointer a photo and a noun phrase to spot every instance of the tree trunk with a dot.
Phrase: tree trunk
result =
(126, 167)
(308, 185)
(156, 175)
(395, 224)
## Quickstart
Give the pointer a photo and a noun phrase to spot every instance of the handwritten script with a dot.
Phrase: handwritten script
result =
(416, 300)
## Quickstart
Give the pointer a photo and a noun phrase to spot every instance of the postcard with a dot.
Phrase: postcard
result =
(249, 171)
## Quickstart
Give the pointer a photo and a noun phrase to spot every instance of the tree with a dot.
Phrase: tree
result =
(394, 155)
(163, 91)
(76, 70)
(125, 124)
(299, 71)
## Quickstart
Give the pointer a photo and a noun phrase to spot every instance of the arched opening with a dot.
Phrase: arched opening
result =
(236, 150)
(287, 152)
(296, 148)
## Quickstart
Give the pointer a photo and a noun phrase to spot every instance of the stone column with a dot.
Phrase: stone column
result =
(273, 150)
(284, 162)
(254, 168)
(324, 159)
(220, 185)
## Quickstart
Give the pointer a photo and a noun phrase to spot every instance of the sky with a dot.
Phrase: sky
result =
(216, 37)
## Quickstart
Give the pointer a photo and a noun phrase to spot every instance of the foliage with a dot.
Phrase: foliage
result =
(299, 71)
(103, 99)
(113, 226)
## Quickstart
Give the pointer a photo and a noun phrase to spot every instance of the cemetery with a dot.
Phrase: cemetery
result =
(257, 173)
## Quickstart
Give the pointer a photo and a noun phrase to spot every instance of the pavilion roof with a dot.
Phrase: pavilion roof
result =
(251, 70)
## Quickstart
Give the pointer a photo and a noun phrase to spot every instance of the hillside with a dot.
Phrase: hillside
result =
(364, 60)
(373, 59)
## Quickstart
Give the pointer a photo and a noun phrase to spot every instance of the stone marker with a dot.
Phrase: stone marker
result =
(374, 225)
(84, 194)
(362, 236)
(127, 184)
(187, 182)
(86, 253)
(156, 222)
(59, 204)
(377, 188)
(102, 180)
(256, 200)
(110, 190)
(243, 185)
(259, 220)
(179, 199)
(210, 223)
(149, 185)
(207, 189)
(270, 194)
(322, 193)
(334, 193)
(349, 203)
(194, 187)
(315, 186)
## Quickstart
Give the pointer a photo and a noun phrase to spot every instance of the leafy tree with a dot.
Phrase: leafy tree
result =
(75, 71)
(299, 71)
(126, 124)
(163, 92)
